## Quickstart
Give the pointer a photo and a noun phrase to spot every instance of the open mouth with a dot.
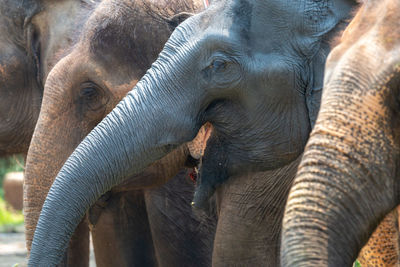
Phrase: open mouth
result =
(196, 149)
(209, 165)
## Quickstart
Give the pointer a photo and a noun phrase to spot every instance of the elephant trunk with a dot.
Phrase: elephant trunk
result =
(344, 185)
(140, 130)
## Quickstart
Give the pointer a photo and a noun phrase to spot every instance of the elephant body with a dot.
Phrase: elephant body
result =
(140, 222)
(254, 70)
(348, 179)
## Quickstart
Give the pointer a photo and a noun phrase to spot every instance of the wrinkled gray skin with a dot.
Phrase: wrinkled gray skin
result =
(252, 68)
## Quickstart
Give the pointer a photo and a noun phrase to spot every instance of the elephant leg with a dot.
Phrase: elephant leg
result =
(382, 248)
(120, 231)
(78, 250)
(251, 209)
(180, 237)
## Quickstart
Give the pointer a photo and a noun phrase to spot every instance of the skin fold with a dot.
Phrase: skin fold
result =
(348, 178)
(137, 223)
(254, 70)
(34, 36)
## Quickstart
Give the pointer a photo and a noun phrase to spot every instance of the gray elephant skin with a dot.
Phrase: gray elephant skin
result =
(254, 70)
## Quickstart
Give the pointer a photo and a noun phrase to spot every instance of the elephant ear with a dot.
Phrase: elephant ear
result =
(332, 17)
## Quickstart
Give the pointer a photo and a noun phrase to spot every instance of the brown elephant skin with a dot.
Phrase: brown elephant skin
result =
(348, 180)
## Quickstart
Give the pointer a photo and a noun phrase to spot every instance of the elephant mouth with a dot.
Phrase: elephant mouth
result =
(196, 150)
(196, 156)
(193, 174)
(210, 170)
(199, 143)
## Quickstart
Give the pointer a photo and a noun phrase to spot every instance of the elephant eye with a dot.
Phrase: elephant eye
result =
(89, 93)
(221, 69)
(218, 65)
(91, 96)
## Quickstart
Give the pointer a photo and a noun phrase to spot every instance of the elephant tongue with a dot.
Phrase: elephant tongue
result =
(193, 175)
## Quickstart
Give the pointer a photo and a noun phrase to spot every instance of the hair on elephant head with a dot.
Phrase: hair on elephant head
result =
(250, 68)
(348, 179)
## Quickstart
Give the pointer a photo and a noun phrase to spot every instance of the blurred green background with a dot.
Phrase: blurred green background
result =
(10, 220)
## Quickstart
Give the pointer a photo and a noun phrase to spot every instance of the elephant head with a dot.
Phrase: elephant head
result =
(33, 36)
(253, 69)
(348, 179)
(88, 83)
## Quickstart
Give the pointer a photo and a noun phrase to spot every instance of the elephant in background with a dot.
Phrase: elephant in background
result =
(137, 223)
(34, 36)
(254, 70)
(348, 179)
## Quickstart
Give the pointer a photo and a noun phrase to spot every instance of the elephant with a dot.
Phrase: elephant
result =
(33, 37)
(253, 69)
(36, 34)
(348, 177)
(158, 235)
